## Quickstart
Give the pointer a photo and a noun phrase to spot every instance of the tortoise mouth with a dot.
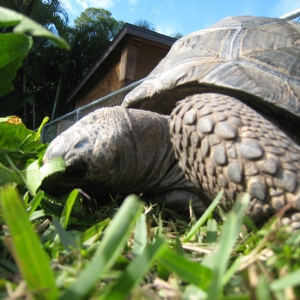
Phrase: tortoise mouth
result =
(76, 171)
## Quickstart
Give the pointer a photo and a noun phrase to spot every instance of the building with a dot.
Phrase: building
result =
(131, 56)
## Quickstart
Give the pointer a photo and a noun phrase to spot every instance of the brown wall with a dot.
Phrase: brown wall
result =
(101, 84)
(135, 61)
(148, 57)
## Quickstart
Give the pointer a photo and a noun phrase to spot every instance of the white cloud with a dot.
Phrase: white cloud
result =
(133, 2)
(283, 7)
(166, 29)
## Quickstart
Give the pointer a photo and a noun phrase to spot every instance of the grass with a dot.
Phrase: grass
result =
(140, 252)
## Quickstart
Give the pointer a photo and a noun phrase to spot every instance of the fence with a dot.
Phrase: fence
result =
(55, 127)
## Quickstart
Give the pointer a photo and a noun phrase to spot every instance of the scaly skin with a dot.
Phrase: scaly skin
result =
(222, 143)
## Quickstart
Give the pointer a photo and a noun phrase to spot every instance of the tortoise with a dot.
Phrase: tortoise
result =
(233, 93)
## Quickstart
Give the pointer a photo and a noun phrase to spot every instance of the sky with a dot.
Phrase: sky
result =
(184, 16)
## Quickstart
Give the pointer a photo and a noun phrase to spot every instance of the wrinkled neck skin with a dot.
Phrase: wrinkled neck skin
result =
(152, 166)
(119, 150)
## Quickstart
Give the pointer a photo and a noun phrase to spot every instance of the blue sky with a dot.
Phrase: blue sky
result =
(184, 16)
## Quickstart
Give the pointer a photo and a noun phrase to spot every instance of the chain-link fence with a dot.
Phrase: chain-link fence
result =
(57, 126)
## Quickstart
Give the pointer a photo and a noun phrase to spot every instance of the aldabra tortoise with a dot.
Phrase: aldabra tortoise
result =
(237, 125)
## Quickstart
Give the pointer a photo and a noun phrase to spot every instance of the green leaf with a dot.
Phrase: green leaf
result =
(8, 176)
(19, 143)
(32, 261)
(135, 272)
(114, 239)
(140, 235)
(34, 174)
(13, 49)
(25, 25)
(10, 54)
(190, 271)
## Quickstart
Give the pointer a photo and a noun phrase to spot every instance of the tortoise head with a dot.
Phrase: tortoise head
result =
(89, 151)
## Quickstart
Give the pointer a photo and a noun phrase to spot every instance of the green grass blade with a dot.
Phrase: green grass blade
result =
(262, 290)
(190, 271)
(232, 270)
(108, 251)
(218, 259)
(94, 231)
(204, 217)
(35, 202)
(64, 219)
(63, 236)
(212, 232)
(135, 271)
(140, 235)
(36, 215)
(291, 279)
(32, 261)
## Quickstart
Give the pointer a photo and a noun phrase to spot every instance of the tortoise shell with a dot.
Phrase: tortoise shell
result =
(253, 59)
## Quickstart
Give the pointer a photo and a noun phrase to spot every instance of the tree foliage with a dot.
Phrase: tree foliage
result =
(33, 94)
(145, 24)
(100, 22)
(49, 74)
(177, 35)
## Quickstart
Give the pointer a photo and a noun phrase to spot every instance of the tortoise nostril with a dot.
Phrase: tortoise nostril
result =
(76, 170)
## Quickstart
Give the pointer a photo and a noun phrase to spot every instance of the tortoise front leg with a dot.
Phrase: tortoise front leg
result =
(222, 143)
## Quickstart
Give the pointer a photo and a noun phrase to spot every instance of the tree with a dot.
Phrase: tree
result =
(29, 80)
(177, 35)
(100, 22)
(145, 24)
(100, 29)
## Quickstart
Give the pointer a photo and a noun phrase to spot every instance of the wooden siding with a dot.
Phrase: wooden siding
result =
(102, 83)
(134, 61)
